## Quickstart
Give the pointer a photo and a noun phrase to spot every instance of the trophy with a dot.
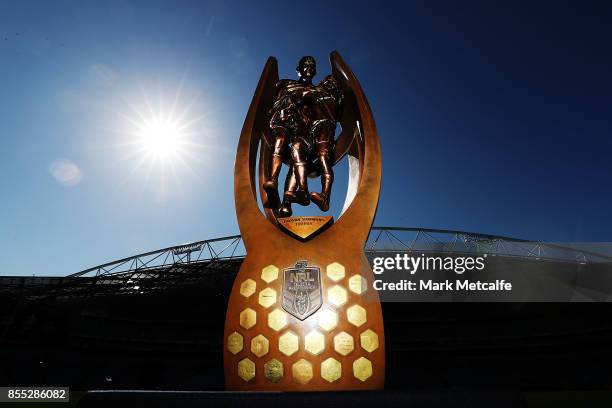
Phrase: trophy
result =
(302, 314)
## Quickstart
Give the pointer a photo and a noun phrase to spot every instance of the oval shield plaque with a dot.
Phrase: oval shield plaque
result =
(302, 290)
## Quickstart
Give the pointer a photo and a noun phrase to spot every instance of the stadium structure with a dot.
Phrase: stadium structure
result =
(155, 320)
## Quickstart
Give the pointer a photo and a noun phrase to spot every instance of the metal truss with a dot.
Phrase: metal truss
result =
(211, 250)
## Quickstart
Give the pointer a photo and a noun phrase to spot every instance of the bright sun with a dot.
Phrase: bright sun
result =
(160, 138)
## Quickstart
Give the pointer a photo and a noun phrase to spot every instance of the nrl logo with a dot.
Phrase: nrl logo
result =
(302, 290)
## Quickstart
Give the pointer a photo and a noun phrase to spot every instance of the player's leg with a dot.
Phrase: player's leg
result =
(285, 209)
(298, 155)
(280, 144)
(323, 146)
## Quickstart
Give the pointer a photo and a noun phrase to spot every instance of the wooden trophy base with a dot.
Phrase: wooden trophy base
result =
(307, 321)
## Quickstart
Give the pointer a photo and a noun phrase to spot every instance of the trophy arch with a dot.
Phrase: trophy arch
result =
(358, 140)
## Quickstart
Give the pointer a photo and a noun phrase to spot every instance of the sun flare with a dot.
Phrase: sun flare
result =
(161, 138)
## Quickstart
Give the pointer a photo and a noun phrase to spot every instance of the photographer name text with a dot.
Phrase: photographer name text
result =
(447, 285)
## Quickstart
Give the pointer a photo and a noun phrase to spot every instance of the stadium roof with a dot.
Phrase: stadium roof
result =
(381, 240)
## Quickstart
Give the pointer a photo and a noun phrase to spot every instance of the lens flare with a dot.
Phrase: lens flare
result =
(162, 141)
(161, 138)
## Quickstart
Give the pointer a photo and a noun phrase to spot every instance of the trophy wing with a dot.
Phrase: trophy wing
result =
(348, 108)
(253, 131)
(359, 140)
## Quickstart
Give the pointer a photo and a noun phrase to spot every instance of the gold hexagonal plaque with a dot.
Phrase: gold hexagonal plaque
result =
(269, 273)
(247, 288)
(336, 295)
(331, 370)
(302, 371)
(260, 345)
(344, 343)
(267, 297)
(248, 318)
(357, 284)
(369, 340)
(362, 368)
(356, 315)
(273, 370)
(314, 342)
(246, 369)
(288, 343)
(335, 271)
(327, 319)
(235, 343)
(277, 319)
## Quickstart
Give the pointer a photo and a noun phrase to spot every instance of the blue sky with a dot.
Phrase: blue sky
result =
(493, 118)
